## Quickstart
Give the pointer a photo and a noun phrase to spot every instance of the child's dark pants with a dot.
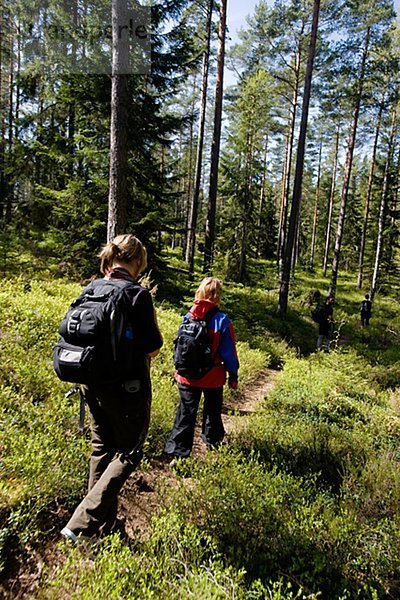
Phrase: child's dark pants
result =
(180, 441)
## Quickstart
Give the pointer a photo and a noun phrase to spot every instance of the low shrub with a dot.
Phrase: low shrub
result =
(177, 562)
(268, 522)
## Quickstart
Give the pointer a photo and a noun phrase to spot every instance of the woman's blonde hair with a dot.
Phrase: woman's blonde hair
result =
(124, 248)
(209, 289)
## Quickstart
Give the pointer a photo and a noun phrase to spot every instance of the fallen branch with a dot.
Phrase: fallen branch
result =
(180, 270)
(395, 333)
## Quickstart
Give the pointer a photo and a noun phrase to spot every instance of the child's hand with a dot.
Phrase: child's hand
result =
(233, 384)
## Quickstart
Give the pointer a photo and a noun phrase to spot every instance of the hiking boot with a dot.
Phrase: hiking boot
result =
(69, 535)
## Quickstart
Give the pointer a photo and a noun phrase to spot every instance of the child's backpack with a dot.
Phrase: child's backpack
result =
(96, 343)
(318, 314)
(192, 347)
(365, 307)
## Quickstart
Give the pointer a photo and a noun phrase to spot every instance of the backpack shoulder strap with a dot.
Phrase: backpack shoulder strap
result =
(213, 311)
(118, 283)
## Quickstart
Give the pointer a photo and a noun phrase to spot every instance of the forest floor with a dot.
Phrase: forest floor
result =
(140, 498)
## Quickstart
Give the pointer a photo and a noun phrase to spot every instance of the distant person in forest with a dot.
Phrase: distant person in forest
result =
(119, 412)
(365, 311)
(220, 338)
(313, 298)
(316, 297)
(325, 324)
(318, 312)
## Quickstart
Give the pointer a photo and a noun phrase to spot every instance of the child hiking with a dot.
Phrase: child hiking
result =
(192, 381)
(119, 410)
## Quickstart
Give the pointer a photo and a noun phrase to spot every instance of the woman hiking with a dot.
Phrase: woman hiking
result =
(224, 361)
(119, 413)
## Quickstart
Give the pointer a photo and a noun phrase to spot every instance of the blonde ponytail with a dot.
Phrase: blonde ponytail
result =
(124, 248)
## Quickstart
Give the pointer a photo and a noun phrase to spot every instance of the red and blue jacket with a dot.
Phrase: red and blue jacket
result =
(222, 338)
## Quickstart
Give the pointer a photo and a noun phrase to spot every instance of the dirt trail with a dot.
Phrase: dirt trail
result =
(139, 499)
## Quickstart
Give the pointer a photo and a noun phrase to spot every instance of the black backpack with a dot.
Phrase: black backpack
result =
(365, 306)
(192, 348)
(96, 343)
(318, 314)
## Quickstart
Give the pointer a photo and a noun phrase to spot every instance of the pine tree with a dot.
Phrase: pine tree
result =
(367, 24)
(216, 143)
(193, 210)
(294, 214)
(244, 164)
(384, 204)
(118, 199)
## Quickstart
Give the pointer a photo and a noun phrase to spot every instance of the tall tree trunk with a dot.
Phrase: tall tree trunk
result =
(296, 245)
(179, 191)
(2, 124)
(368, 197)
(314, 229)
(39, 131)
(383, 210)
(157, 199)
(17, 86)
(118, 193)
(189, 190)
(348, 168)
(298, 180)
(71, 134)
(192, 222)
(396, 187)
(71, 104)
(287, 170)
(10, 141)
(282, 207)
(331, 202)
(262, 195)
(216, 143)
(247, 210)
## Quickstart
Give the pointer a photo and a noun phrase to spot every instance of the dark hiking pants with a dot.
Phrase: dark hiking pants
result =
(119, 423)
(180, 441)
(365, 317)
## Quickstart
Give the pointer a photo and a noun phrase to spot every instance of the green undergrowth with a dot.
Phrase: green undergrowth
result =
(302, 501)
(269, 521)
(325, 418)
(235, 527)
(178, 562)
